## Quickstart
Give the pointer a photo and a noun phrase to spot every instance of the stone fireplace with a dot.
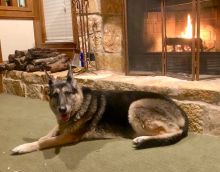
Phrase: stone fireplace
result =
(163, 37)
(136, 42)
(174, 37)
(105, 19)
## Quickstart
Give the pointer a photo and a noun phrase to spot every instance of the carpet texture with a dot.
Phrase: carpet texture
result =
(24, 120)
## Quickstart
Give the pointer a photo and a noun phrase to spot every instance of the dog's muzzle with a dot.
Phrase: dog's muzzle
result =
(64, 115)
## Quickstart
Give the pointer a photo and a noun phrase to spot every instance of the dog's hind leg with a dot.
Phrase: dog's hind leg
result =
(156, 122)
(157, 140)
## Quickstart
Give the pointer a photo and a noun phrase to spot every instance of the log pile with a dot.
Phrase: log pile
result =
(36, 59)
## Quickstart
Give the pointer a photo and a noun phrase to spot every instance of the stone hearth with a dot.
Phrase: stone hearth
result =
(199, 99)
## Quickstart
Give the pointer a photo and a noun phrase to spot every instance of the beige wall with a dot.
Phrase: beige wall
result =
(16, 35)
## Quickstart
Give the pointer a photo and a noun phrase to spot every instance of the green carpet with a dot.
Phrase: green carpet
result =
(24, 120)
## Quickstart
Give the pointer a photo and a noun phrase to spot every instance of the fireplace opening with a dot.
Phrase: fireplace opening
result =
(173, 37)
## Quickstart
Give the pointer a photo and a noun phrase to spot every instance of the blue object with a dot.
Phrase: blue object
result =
(82, 60)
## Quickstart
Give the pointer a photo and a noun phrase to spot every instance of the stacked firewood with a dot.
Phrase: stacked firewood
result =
(36, 59)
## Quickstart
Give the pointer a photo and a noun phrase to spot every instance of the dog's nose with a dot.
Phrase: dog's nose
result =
(62, 109)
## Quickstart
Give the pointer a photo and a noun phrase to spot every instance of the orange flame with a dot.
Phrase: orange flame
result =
(188, 30)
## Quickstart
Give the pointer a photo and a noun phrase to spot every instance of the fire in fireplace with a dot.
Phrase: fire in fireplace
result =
(182, 42)
(188, 29)
(173, 37)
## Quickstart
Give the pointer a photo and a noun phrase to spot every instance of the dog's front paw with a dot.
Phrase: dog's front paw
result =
(43, 138)
(25, 148)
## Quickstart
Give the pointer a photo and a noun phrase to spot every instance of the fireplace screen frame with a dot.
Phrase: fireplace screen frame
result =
(195, 46)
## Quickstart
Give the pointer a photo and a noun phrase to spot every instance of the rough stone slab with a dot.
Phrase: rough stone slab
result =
(195, 114)
(112, 34)
(35, 91)
(15, 87)
(110, 61)
(211, 120)
(105, 29)
(199, 100)
(96, 42)
(14, 74)
(95, 23)
(207, 90)
(207, 96)
(96, 34)
(34, 78)
(111, 7)
(203, 117)
(94, 6)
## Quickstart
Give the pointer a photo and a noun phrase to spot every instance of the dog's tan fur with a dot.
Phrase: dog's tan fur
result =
(154, 119)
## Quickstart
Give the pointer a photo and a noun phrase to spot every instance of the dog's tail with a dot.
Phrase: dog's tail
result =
(159, 140)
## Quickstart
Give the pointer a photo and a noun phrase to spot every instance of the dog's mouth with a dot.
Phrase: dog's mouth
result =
(65, 117)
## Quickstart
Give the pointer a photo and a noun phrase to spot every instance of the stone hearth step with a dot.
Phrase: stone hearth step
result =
(200, 99)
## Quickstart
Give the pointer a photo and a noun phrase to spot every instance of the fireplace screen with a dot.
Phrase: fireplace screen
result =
(173, 37)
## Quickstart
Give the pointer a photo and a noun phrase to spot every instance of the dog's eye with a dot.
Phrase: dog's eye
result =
(55, 95)
(68, 92)
(74, 91)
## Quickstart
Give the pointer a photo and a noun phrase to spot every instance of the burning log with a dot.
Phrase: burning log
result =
(183, 42)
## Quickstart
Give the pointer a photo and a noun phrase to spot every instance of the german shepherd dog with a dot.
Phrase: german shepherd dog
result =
(151, 119)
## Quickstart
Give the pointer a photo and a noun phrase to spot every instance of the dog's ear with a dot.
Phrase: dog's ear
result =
(49, 78)
(69, 77)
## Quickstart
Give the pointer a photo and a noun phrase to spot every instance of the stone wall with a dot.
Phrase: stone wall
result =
(105, 28)
(32, 85)
(200, 100)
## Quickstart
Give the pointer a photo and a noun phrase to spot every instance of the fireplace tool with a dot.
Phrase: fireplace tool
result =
(83, 56)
